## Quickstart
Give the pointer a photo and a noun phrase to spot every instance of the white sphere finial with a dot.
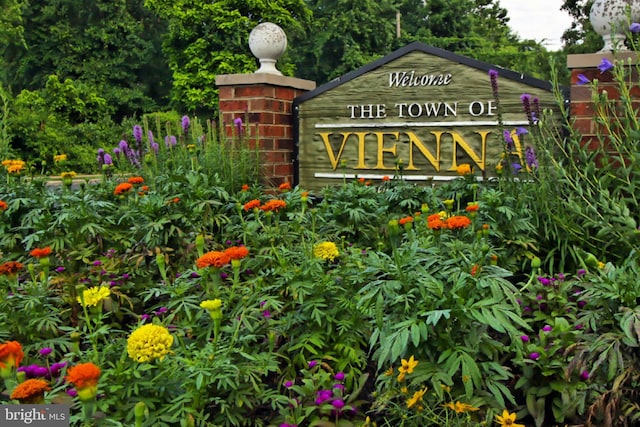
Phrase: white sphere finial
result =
(609, 19)
(268, 42)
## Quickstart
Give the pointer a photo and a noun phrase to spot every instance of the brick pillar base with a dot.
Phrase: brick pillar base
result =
(265, 100)
(582, 106)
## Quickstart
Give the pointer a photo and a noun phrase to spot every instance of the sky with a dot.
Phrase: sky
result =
(538, 20)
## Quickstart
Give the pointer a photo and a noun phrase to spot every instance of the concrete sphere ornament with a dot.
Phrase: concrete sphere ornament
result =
(609, 19)
(268, 42)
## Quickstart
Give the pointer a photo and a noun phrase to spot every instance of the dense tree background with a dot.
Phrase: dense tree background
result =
(94, 65)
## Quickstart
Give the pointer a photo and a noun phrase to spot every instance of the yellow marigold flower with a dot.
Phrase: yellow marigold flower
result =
(326, 250)
(92, 296)
(59, 158)
(68, 175)
(211, 304)
(507, 419)
(417, 397)
(14, 166)
(448, 203)
(408, 365)
(460, 407)
(31, 391)
(149, 342)
(464, 169)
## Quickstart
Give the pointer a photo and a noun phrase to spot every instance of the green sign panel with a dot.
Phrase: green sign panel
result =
(420, 108)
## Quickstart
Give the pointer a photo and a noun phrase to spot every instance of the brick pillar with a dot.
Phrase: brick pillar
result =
(265, 100)
(582, 107)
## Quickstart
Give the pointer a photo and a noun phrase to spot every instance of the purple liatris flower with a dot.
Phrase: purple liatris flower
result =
(582, 79)
(155, 147)
(508, 139)
(170, 141)
(530, 157)
(107, 159)
(516, 167)
(238, 123)
(526, 105)
(150, 137)
(185, 123)
(137, 133)
(493, 77)
(605, 65)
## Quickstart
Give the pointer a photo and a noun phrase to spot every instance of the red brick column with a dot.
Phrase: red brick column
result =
(265, 100)
(582, 108)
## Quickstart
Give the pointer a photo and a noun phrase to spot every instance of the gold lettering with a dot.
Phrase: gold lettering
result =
(327, 145)
(414, 140)
(458, 140)
(361, 164)
(382, 149)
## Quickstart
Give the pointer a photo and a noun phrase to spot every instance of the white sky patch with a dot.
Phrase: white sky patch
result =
(540, 20)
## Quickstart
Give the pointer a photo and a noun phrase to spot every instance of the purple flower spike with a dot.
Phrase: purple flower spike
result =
(530, 157)
(238, 123)
(137, 133)
(185, 123)
(108, 160)
(521, 131)
(605, 65)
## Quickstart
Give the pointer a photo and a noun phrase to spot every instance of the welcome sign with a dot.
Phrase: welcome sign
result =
(421, 109)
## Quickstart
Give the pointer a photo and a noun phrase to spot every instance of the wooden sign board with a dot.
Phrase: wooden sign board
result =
(421, 109)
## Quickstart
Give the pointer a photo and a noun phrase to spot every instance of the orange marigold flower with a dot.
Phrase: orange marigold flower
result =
(245, 187)
(284, 186)
(11, 354)
(304, 194)
(458, 221)
(475, 269)
(10, 267)
(385, 178)
(41, 252)
(213, 259)
(433, 217)
(437, 224)
(136, 180)
(144, 188)
(361, 180)
(464, 169)
(255, 203)
(274, 205)
(237, 252)
(472, 207)
(30, 391)
(406, 219)
(3, 206)
(83, 375)
(122, 188)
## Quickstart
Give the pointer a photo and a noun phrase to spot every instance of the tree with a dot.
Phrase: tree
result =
(343, 36)
(207, 38)
(113, 45)
(580, 37)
